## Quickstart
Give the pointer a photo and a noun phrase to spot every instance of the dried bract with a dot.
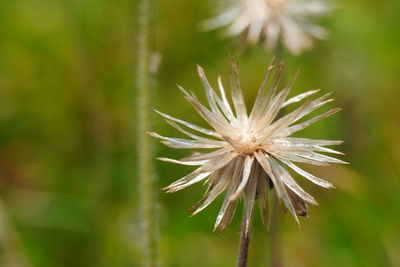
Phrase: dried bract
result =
(249, 150)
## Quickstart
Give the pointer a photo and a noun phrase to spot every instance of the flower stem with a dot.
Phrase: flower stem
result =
(243, 245)
(144, 81)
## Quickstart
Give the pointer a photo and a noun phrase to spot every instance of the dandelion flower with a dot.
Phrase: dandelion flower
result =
(269, 20)
(249, 151)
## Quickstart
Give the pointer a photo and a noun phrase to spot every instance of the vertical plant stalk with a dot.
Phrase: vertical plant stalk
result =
(243, 252)
(148, 205)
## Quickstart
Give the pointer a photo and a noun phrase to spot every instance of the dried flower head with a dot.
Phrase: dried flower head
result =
(270, 20)
(251, 149)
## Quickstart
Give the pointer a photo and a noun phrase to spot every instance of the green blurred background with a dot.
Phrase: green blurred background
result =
(68, 182)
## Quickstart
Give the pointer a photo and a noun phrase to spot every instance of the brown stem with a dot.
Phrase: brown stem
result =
(243, 246)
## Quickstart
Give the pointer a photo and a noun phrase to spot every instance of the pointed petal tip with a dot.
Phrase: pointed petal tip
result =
(328, 94)
(170, 190)
(193, 214)
(200, 70)
(339, 161)
(165, 188)
(162, 114)
(153, 134)
(183, 90)
(163, 159)
(333, 143)
(315, 203)
(297, 220)
(273, 61)
(270, 67)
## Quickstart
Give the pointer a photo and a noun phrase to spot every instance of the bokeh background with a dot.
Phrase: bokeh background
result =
(68, 183)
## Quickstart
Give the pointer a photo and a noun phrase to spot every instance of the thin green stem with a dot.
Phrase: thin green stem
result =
(148, 204)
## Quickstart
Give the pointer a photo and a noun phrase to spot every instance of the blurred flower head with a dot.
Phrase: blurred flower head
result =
(249, 151)
(269, 20)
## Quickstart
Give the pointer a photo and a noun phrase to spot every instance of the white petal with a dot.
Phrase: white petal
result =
(220, 125)
(314, 8)
(196, 137)
(309, 176)
(221, 20)
(238, 26)
(263, 191)
(228, 207)
(262, 99)
(294, 36)
(320, 157)
(272, 31)
(207, 156)
(299, 97)
(186, 181)
(263, 159)
(255, 29)
(298, 127)
(250, 194)
(274, 105)
(190, 125)
(223, 95)
(209, 93)
(283, 122)
(201, 173)
(218, 188)
(296, 158)
(248, 162)
(290, 182)
(326, 150)
(314, 105)
(184, 143)
(315, 142)
(237, 95)
(188, 163)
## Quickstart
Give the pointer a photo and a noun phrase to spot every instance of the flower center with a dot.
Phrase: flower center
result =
(246, 143)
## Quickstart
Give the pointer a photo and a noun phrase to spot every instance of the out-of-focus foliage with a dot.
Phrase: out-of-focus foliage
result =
(67, 136)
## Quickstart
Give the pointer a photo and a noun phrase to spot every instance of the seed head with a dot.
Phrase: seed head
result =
(249, 150)
(270, 20)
